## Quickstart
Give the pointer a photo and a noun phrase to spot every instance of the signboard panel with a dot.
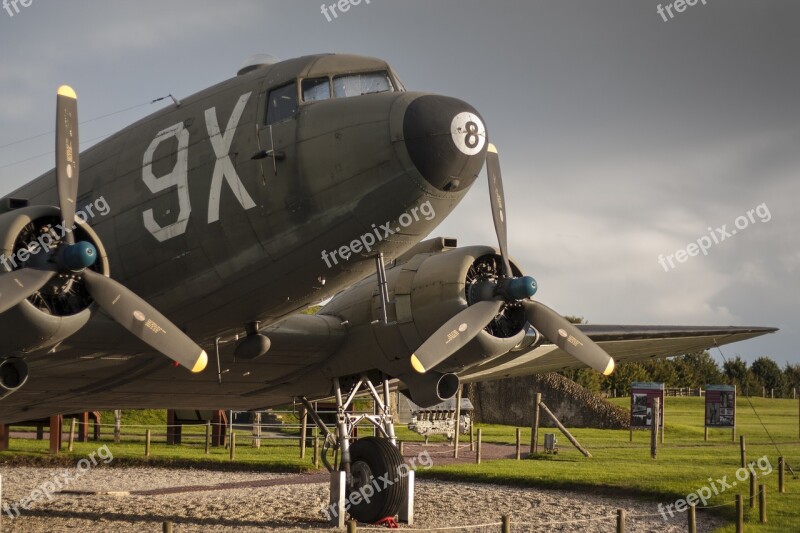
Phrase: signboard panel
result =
(642, 396)
(720, 406)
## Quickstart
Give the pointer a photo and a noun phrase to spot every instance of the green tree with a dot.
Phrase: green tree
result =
(698, 370)
(587, 378)
(625, 374)
(769, 374)
(662, 371)
(791, 375)
(737, 373)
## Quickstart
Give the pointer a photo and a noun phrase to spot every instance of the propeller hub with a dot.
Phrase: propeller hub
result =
(79, 256)
(522, 288)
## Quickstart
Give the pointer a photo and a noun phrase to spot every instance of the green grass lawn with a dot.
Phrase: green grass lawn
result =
(684, 463)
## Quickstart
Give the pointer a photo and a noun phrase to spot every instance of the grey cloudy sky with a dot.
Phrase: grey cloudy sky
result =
(622, 136)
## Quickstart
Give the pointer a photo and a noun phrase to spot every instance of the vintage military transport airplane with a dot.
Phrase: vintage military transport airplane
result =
(244, 204)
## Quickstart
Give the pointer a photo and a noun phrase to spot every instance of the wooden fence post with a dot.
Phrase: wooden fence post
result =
(457, 432)
(147, 443)
(257, 430)
(519, 443)
(472, 433)
(55, 434)
(303, 431)
(692, 518)
(743, 451)
(620, 520)
(117, 425)
(506, 524)
(316, 451)
(208, 437)
(535, 424)
(781, 468)
(762, 503)
(352, 526)
(739, 514)
(233, 446)
(753, 479)
(71, 434)
(478, 448)
(654, 428)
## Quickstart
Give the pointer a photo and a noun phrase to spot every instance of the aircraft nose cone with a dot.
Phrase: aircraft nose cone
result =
(446, 140)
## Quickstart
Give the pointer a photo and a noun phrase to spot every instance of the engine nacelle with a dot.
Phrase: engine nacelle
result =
(61, 307)
(13, 375)
(425, 291)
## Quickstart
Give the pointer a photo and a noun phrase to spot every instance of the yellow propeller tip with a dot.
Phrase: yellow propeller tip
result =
(492, 148)
(201, 363)
(610, 368)
(69, 92)
(416, 364)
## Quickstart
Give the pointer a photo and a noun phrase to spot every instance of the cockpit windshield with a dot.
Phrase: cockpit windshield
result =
(359, 84)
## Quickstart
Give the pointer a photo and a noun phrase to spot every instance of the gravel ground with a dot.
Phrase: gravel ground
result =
(247, 503)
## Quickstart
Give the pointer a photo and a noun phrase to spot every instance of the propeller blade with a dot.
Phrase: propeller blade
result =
(454, 334)
(67, 149)
(569, 338)
(17, 285)
(498, 201)
(142, 319)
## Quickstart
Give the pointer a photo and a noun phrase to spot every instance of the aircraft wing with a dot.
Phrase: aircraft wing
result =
(623, 343)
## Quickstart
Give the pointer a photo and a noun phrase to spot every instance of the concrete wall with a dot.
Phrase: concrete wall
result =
(510, 401)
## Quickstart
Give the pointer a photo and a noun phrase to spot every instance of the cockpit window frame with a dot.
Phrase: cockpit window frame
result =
(384, 71)
(300, 82)
(395, 83)
(295, 83)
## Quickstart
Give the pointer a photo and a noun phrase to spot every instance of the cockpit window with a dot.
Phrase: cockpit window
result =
(316, 89)
(358, 84)
(282, 103)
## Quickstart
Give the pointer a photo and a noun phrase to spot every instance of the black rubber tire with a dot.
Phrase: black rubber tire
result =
(375, 461)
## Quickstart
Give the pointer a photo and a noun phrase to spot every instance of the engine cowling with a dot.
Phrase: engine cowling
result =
(425, 292)
(61, 307)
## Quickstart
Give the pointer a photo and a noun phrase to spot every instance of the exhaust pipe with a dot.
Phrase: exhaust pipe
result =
(427, 390)
(13, 375)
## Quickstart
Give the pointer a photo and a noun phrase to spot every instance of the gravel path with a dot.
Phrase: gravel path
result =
(200, 501)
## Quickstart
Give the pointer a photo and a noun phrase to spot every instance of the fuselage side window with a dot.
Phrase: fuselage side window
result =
(365, 83)
(282, 103)
(316, 89)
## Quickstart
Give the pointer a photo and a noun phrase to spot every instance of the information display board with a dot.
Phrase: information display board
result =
(720, 406)
(642, 396)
